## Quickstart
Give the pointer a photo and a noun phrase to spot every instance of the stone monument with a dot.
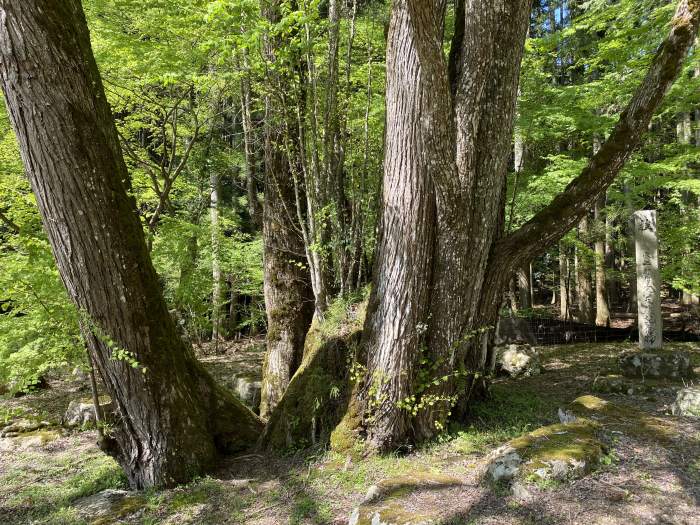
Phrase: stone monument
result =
(648, 280)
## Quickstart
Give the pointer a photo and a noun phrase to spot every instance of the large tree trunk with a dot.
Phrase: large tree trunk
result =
(172, 418)
(448, 139)
(289, 299)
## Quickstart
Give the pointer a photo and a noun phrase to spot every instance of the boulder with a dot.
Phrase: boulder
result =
(513, 330)
(617, 384)
(518, 360)
(687, 402)
(659, 364)
(36, 439)
(81, 412)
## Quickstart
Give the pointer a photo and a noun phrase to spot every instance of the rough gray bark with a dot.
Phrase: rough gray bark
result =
(173, 419)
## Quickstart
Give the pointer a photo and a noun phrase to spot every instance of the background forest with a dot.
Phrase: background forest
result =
(187, 83)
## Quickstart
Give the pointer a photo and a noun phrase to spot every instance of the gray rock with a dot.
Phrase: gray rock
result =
(81, 412)
(656, 364)
(566, 416)
(518, 360)
(687, 402)
(511, 330)
(373, 493)
(248, 389)
(503, 464)
(520, 492)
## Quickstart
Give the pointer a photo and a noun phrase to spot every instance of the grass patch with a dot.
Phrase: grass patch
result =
(506, 414)
(40, 486)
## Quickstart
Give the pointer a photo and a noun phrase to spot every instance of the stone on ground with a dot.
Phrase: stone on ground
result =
(23, 426)
(518, 360)
(387, 502)
(661, 364)
(81, 412)
(687, 402)
(554, 452)
(617, 384)
(109, 506)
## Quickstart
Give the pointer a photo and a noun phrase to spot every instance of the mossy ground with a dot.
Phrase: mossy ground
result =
(646, 477)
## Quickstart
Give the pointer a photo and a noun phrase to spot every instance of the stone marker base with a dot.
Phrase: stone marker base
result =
(659, 364)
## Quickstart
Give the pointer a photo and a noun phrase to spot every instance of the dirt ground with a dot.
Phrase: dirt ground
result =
(650, 473)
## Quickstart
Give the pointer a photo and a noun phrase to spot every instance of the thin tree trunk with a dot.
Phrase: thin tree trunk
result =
(563, 282)
(602, 311)
(254, 208)
(216, 289)
(172, 418)
(584, 283)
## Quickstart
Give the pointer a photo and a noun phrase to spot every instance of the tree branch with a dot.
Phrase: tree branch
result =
(8, 222)
(554, 221)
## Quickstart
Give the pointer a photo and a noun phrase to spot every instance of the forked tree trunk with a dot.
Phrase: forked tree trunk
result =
(172, 418)
(289, 299)
(442, 263)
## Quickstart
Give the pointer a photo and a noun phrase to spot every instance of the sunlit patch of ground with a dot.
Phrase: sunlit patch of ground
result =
(645, 479)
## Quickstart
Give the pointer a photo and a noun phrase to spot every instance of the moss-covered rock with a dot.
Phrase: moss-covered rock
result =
(559, 451)
(108, 507)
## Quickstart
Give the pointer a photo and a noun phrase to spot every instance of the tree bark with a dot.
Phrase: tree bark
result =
(524, 287)
(217, 281)
(172, 418)
(254, 208)
(289, 299)
(602, 311)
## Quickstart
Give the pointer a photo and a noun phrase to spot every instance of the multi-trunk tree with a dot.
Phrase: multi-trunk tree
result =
(172, 420)
(442, 260)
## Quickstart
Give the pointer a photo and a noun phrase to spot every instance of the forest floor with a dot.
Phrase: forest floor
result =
(649, 474)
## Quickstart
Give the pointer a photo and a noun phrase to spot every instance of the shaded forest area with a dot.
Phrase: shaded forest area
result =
(340, 261)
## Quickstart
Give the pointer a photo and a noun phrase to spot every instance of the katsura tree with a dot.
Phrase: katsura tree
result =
(442, 258)
(172, 420)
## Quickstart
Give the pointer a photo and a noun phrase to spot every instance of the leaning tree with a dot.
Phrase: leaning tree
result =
(171, 418)
(442, 257)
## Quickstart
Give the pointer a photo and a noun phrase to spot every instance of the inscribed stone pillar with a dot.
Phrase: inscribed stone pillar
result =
(648, 280)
